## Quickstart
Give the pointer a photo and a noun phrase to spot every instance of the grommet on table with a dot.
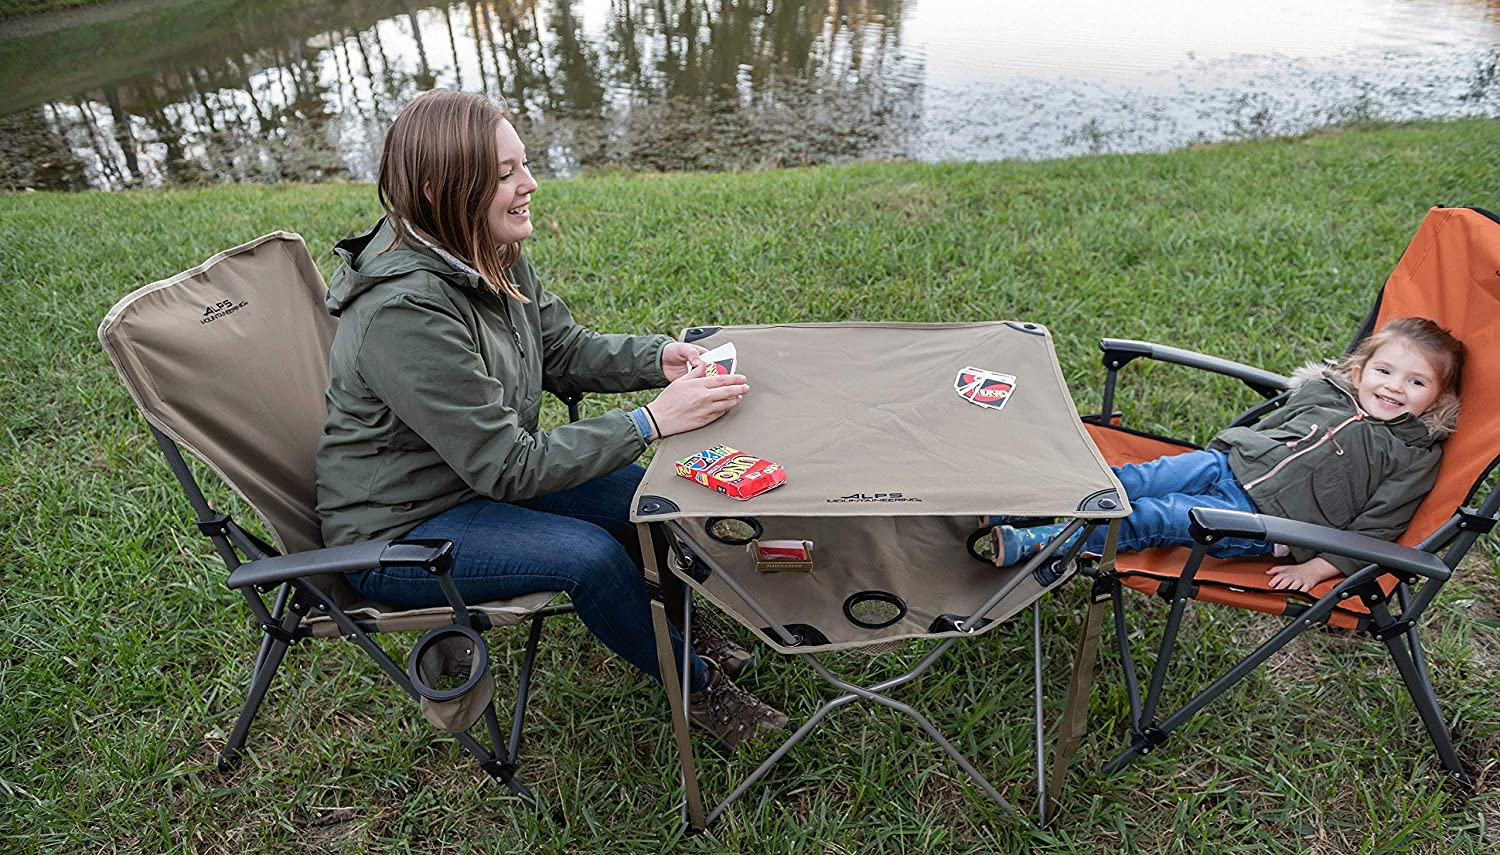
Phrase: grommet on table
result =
(734, 531)
(874, 609)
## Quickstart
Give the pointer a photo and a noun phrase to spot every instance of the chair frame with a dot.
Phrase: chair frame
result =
(256, 568)
(1422, 571)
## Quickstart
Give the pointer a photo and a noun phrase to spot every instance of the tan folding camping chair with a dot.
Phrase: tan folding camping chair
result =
(229, 361)
(1449, 273)
(890, 464)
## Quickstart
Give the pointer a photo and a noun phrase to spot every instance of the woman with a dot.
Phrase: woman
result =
(446, 341)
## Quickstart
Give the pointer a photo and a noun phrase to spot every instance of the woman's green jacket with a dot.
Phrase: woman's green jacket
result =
(436, 385)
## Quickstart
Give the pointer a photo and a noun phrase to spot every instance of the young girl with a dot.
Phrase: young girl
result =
(446, 341)
(1356, 447)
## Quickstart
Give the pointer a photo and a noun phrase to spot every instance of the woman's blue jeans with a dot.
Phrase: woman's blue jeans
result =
(1161, 493)
(579, 541)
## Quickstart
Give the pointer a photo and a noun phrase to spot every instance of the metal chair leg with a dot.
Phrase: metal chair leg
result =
(1427, 707)
(278, 611)
(1419, 687)
(1127, 661)
(274, 650)
(523, 690)
(1036, 677)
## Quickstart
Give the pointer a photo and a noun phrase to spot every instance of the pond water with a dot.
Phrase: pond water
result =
(163, 92)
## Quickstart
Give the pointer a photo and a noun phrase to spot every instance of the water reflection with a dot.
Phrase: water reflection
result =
(268, 90)
(303, 90)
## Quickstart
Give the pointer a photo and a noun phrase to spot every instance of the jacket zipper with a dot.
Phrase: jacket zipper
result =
(514, 333)
(1326, 437)
(1296, 442)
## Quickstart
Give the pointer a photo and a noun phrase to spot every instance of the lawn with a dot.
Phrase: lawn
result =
(123, 657)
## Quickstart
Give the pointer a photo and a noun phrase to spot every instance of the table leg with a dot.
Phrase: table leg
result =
(657, 580)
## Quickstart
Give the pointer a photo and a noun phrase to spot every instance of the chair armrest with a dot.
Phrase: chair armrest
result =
(1212, 523)
(434, 555)
(1119, 351)
(572, 401)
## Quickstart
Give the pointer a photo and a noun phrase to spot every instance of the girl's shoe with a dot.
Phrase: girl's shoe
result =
(1019, 544)
(1018, 522)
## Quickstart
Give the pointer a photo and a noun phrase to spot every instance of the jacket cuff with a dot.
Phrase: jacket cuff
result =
(653, 372)
(643, 424)
(640, 443)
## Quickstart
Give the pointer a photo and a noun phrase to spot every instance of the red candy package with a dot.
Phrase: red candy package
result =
(774, 556)
(732, 472)
(783, 550)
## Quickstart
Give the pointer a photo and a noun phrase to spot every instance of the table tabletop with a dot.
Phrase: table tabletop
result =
(867, 420)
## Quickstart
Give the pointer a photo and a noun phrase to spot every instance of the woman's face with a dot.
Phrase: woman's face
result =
(509, 214)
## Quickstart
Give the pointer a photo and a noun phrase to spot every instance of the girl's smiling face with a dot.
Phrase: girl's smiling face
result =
(509, 214)
(1398, 378)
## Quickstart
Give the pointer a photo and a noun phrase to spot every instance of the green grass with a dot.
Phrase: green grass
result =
(12, 8)
(123, 657)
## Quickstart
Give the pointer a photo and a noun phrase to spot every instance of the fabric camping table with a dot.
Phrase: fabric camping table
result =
(889, 468)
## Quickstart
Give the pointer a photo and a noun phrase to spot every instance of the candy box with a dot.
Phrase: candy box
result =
(777, 556)
(732, 472)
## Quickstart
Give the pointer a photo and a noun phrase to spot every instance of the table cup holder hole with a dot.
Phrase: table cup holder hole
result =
(734, 531)
(874, 609)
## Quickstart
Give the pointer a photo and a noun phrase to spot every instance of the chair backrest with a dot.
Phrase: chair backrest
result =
(230, 360)
(1450, 273)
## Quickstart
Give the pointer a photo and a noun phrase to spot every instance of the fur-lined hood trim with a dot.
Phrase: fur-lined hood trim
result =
(1440, 419)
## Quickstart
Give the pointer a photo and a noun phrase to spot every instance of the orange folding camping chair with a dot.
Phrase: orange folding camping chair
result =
(1450, 273)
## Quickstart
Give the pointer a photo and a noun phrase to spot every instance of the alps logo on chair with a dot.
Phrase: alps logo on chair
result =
(221, 309)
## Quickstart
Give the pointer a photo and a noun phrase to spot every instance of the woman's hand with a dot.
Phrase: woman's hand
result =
(693, 400)
(677, 357)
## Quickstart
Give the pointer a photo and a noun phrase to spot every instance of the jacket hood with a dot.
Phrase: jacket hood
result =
(365, 263)
(1435, 425)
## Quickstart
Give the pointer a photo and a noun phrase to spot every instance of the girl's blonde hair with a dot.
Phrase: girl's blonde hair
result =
(1445, 351)
(439, 171)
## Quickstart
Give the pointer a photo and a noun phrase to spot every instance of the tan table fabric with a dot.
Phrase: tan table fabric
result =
(888, 469)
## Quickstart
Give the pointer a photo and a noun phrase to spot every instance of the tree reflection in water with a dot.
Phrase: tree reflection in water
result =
(194, 91)
(303, 90)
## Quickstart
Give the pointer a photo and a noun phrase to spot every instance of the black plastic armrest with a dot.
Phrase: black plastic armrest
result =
(572, 400)
(1214, 523)
(1119, 351)
(434, 555)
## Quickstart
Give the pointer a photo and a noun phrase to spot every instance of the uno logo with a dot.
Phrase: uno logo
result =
(735, 467)
(992, 392)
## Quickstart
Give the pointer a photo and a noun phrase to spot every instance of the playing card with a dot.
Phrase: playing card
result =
(720, 360)
(985, 388)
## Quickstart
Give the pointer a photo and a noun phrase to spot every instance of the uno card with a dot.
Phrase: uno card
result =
(720, 360)
(985, 388)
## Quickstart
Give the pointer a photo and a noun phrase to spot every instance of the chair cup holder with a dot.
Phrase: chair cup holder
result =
(445, 656)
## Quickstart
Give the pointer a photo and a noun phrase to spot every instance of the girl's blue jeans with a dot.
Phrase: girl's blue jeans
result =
(579, 541)
(1161, 493)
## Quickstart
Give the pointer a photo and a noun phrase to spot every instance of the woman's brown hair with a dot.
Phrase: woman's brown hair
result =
(1445, 351)
(438, 173)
